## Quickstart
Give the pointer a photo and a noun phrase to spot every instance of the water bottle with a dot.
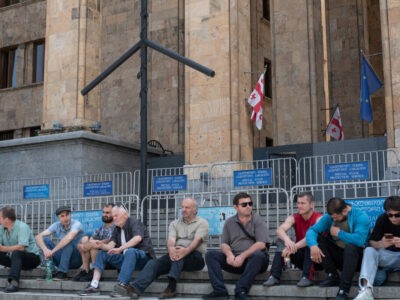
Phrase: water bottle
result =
(49, 270)
(288, 265)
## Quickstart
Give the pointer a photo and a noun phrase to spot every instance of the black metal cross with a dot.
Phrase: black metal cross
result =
(142, 44)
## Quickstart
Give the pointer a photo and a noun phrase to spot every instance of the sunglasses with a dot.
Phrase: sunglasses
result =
(393, 215)
(244, 204)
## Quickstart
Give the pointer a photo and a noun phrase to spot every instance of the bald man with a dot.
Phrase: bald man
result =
(187, 243)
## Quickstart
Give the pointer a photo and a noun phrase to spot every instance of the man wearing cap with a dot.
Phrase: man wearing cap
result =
(18, 249)
(65, 254)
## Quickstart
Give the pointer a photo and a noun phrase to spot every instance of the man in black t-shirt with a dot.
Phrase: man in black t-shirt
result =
(384, 250)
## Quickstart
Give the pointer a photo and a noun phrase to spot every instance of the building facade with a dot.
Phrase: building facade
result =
(50, 50)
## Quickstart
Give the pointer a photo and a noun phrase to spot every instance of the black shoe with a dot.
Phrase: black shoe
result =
(11, 288)
(341, 295)
(87, 276)
(60, 276)
(332, 280)
(241, 296)
(216, 295)
(79, 276)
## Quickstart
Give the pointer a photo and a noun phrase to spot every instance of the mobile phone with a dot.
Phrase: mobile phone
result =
(388, 235)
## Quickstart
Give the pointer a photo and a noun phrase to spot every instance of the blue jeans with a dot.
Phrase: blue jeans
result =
(216, 262)
(164, 265)
(133, 259)
(66, 258)
(382, 274)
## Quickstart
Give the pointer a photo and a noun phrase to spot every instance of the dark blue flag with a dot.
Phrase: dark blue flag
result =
(370, 83)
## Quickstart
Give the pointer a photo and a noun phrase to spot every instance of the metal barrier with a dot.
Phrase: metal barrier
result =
(22, 190)
(195, 179)
(348, 190)
(39, 215)
(311, 170)
(283, 173)
(271, 203)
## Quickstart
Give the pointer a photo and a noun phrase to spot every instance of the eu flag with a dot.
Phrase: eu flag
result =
(370, 83)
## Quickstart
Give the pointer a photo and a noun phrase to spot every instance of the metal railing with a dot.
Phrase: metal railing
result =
(283, 173)
(311, 170)
(272, 203)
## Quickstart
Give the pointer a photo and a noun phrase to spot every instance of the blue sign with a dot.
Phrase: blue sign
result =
(36, 191)
(91, 220)
(347, 171)
(216, 217)
(372, 206)
(252, 177)
(97, 188)
(169, 183)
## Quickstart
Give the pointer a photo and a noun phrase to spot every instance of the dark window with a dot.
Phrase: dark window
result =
(268, 79)
(8, 2)
(8, 68)
(266, 10)
(34, 131)
(6, 135)
(38, 62)
(269, 142)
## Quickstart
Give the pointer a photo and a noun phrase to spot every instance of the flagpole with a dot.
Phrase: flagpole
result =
(325, 63)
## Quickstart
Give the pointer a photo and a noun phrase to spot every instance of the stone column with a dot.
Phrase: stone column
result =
(217, 126)
(390, 26)
(71, 61)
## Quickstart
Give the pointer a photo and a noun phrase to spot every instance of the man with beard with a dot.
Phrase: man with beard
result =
(89, 246)
(342, 248)
(298, 252)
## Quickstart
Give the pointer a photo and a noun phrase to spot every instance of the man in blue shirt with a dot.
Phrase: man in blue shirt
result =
(18, 249)
(342, 248)
(65, 254)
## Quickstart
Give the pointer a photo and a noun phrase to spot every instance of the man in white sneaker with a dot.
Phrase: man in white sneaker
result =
(384, 250)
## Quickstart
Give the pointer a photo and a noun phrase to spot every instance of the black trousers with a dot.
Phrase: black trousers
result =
(20, 260)
(348, 260)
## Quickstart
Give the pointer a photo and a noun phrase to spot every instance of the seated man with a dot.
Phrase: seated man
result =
(299, 252)
(65, 254)
(384, 250)
(187, 243)
(129, 249)
(348, 229)
(18, 249)
(89, 247)
(243, 243)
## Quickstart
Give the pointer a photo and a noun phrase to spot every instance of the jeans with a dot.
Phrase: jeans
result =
(347, 260)
(133, 259)
(164, 265)
(20, 260)
(216, 262)
(374, 258)
(301, 259)
(66, 258)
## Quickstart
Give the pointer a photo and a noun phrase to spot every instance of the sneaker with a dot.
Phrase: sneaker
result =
(271, 281)
(60, 276)
(241, 296)
(216, 295)
(365, 294)
(87, 276)
(304, 282)
(122, 290)
(167, 294)
(332, 280)
(90, 291)
(341, 295)
(79, 275)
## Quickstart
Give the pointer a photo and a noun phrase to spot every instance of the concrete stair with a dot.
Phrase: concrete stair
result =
(192, 285)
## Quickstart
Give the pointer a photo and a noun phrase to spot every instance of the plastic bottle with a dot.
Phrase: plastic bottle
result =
(288, 265)
(49, 270)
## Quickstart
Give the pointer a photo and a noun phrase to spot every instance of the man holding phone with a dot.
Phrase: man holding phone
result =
(384, 250)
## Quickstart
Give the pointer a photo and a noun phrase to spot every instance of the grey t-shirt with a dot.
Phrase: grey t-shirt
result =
(233, 235)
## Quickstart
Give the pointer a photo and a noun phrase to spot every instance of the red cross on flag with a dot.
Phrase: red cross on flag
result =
(256, 101)
(335, 128)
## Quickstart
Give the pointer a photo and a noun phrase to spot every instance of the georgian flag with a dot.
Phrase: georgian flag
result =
(335, 128)
(256, 101)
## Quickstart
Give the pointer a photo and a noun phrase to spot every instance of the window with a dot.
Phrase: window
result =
(269, 142)
(38, 61)
(6, 135)
(8, 68)
(34, 131)
(266, 10)
(268, 79)
(8, 2)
